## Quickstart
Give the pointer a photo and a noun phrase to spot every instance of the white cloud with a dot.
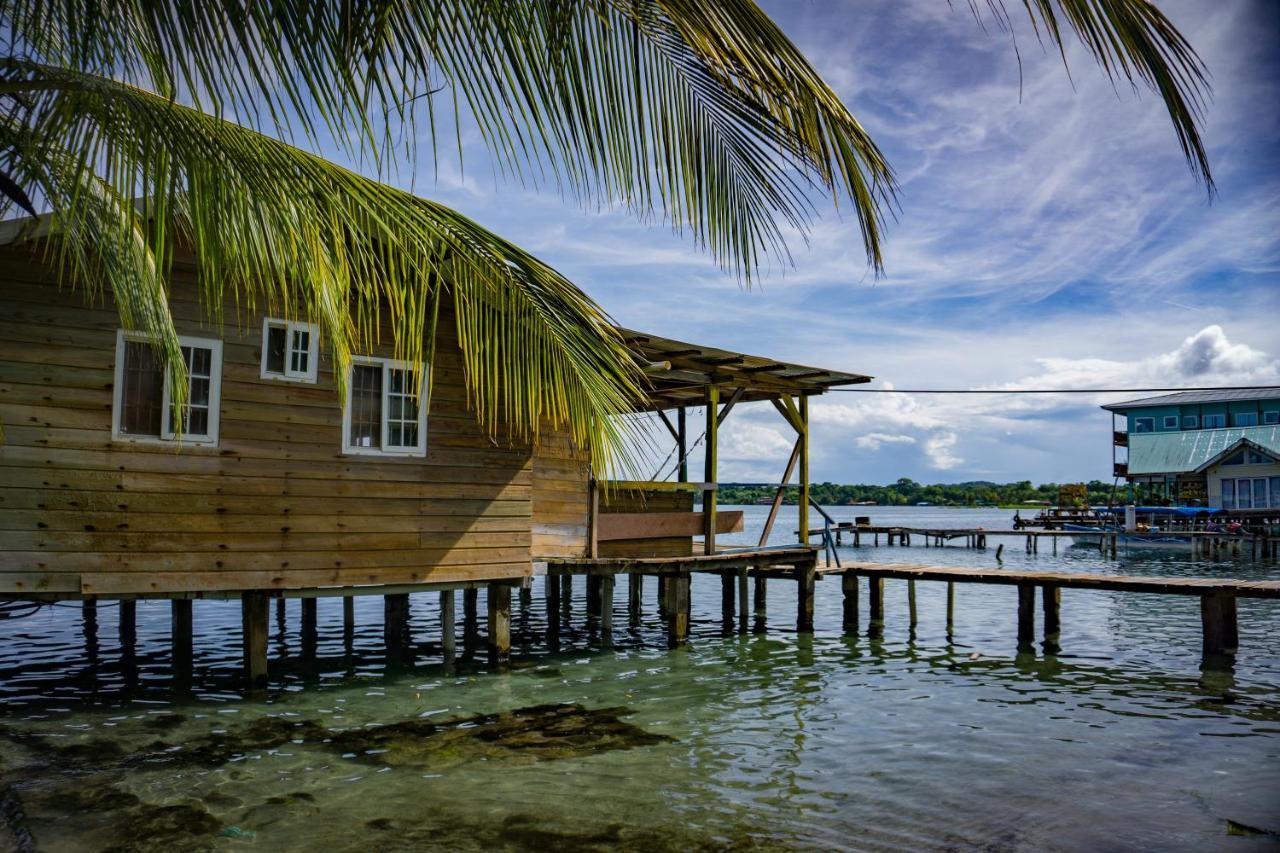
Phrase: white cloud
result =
(939, 450)
(875, 440)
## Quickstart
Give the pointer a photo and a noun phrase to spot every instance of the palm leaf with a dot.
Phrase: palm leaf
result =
(271, 224)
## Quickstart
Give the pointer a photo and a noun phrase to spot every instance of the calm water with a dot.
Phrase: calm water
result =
(777, 741)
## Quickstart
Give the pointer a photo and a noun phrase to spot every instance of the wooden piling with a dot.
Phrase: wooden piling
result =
(180, 634)
(395, 624)
(606, 606)
(128, 624)
(728, 596)
(470, 619)
(552, 593)
(911, 605)
(1218, 621)
(593, 596)
(566, 593)
(309, 627)
(448, 627)
(677, 610)
(348, 618)
(253, 632)
(805, 577)
(1052, 606)
(849, 586)
(635, 595)
(499, 624)
(1026, 615)
(875, 601)
(951, 607)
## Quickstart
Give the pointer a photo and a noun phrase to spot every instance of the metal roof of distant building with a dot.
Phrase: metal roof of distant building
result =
(1187, 397)
(1187, 450)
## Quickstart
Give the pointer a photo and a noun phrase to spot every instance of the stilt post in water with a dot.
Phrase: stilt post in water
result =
(253, 629)
(499, 599)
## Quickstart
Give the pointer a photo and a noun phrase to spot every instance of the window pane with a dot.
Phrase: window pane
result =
(195, 415)
(1275, 492)
(301, 351)
(197, 421)
(402, 410)
(1228, 494)
(1260, 492)
(275, 349)
(141, 398)
(1244, 497)
(366, 405)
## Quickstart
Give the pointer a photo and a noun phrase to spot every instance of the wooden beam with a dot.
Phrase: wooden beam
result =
(787, 415)
(709, 471)
(805, 577)
(181, 634)
(308, 629)
(1026, 615)
(780, 494)
(849, 586)
(671, 428)
(682, 441)
(804, 470)
(395, 624)
(253, 635)
(606, 607)
(448, 625)
(1218, 621)
(470, 619)
(677, 610)
(593, 518)
(551, 590)
(876, 604)
(728, 407)
(499, 635)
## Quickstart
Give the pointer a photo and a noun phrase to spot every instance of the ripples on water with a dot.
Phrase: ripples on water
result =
(742, 741)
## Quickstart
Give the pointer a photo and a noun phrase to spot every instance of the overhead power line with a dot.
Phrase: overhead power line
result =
(1053, 390)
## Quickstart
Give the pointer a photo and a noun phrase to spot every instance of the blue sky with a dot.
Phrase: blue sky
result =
(1050, 235)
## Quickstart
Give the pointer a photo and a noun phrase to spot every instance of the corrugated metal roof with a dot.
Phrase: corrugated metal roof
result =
(1183, 398)
(1182, 452)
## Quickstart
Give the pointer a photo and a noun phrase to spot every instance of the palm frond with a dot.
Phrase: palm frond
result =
(271, 224)
(1132, 40)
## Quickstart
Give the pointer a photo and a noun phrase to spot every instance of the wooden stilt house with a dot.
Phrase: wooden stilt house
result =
(278, 490)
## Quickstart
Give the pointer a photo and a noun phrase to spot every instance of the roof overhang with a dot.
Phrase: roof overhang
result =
(682, 374)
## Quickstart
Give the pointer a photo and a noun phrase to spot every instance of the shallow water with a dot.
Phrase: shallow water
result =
(775, 741)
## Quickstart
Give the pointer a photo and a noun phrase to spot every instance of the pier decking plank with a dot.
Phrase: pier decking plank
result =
(1065, 580)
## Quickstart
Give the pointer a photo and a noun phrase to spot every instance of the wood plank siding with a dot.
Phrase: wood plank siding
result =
(275, 504)
(561, 498)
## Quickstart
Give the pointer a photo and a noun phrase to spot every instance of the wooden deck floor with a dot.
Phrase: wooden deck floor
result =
(1065, 580)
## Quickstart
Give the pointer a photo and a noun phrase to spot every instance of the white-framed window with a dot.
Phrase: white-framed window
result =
(1170, 421)
(290, 350)
(384, 415)
(1215, 421)
(1144, 424)
(1244, 419)
(1190, 422)
(1250, 493)
(1272, 417)
(142, 408)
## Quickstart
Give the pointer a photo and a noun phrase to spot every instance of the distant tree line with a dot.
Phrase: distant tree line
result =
(907, 492)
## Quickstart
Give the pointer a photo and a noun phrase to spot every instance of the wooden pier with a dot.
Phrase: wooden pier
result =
(1217, 595)
(1203, 542)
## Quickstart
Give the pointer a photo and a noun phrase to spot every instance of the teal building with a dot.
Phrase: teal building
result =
(1202, 448)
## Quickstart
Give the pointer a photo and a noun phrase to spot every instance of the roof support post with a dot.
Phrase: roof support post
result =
(682, 444)
(709, 473)
(804, 470)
